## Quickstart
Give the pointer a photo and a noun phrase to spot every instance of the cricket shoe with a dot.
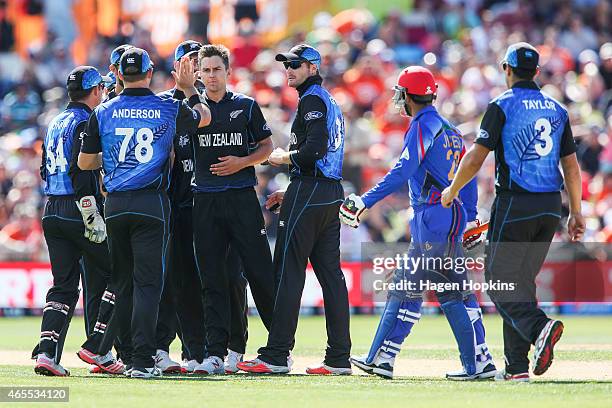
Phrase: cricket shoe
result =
(544, 345)
(210, 365)
(45, 365)
(189, 366)
(488, 371)
(502, 375)
(324, 369)
(165, 363)
(231, 361)
(128, 370)
(139, 372)
(258, 366)
(107, 363)
(382, 369)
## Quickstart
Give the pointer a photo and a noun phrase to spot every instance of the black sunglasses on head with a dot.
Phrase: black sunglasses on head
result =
(293, 64)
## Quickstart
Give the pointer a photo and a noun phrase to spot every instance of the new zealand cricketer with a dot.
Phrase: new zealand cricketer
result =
(531, 135)
(135, 133)
(226, 210)
(70, 234)
(309, 227)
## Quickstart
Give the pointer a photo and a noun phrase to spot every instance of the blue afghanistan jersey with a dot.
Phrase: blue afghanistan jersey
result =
(57, 149)
(432, 150)
(317, 133)
(135, 133)
(529, 132)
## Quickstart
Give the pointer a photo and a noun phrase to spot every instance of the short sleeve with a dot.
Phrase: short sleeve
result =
(491, 127)
(187, 119)
(91, 143)
(257, 124)
(568, 144)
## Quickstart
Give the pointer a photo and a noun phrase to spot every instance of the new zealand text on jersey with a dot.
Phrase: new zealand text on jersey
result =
(220, 139)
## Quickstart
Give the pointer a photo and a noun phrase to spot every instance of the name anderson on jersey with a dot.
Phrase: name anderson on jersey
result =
(137, 113)
(220, 139)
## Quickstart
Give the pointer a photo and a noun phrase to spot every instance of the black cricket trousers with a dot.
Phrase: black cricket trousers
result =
(138, 229)
(309, 229)
(181, 310)
(220, 220)
(521, 229)
(63, 230)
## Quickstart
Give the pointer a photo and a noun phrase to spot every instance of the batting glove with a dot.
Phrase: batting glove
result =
(474, 234)
(351, 209)
(95, 229)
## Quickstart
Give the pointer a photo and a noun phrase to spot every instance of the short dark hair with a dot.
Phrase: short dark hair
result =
(524, 74)
(76, 95)
(422, 99)
(135, 77)
(210, 50)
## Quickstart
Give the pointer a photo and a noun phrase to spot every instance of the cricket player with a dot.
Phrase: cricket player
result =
(115, 57)
(135, 133)
(226, 210)
(432, 151)
(309, 228)
(73, 226)
(185, 301)
(531, 136)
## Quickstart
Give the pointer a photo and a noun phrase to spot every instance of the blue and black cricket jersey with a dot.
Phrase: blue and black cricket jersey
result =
(317, 133)
(237, 124)
(529, 132)
(135, 132)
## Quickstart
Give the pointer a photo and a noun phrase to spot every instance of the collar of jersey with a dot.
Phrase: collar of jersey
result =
(429, 108)
(313, 80)
(137, 92)
(228, 95)
(526, 84)
(78, 105)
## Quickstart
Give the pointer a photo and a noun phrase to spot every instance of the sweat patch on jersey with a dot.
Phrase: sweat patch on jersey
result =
(313, 115)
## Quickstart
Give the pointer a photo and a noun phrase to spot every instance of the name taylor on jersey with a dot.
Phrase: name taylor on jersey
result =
(538, 104)
(220, 139)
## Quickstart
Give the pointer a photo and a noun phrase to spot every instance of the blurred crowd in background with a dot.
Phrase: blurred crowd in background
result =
(462, 42)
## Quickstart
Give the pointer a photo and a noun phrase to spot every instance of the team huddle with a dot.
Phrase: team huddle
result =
(152, 207)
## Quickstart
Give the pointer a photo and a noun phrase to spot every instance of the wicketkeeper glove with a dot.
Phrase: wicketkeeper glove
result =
(351, 209)
(95, 229)
(475, 232)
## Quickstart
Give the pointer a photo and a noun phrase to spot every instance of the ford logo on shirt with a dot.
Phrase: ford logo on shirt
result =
(313, 115)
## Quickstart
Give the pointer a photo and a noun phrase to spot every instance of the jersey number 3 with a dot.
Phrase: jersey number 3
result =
(144, 147)
(454, 155)
(542, 126)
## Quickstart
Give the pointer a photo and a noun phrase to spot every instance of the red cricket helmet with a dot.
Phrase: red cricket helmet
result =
(417, 81)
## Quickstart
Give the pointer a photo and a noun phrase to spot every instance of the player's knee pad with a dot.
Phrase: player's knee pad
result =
(395, 324)
(462, 328)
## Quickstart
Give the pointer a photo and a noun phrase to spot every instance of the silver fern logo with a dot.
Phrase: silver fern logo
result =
(234, 114)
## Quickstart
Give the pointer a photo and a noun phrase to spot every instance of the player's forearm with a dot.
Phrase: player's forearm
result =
(573, 182)
(468, 167)
(260, 154)
(89, 161)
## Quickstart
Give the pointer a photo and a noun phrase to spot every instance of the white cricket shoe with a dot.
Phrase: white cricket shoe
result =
(165, 363)
(231, 361)
(210, 365)
(189, 366)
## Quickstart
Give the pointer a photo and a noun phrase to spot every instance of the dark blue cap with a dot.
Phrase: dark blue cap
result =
(135, 61)
(522, 55)
(84, 77)
(118, 52)
(186, 48)
(302, 52)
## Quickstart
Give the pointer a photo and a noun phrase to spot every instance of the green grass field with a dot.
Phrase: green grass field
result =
(587, 341)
